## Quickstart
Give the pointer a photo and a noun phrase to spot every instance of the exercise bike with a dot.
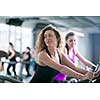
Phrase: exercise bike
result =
(94, 80)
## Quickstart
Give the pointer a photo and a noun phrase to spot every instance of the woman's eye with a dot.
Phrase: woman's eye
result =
(72, 41)
(45, 36)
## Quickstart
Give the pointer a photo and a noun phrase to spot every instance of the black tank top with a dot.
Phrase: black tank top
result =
(44, 74)
(13, 58)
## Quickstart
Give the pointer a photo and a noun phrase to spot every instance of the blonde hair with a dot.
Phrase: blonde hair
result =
(40, 44)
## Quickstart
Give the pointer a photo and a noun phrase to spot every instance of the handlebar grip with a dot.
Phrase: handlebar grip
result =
(94, 69)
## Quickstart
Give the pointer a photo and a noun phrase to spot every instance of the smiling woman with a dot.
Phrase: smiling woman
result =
(72, 53)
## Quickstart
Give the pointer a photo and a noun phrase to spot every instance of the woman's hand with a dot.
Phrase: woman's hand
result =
(89, 76)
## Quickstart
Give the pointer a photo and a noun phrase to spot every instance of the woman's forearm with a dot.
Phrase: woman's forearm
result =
(76, 68)
(80, 70)
(68, 63)
(68, 71)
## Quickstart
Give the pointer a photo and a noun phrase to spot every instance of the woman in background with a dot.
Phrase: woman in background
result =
(12, 58)
(71, 54)
(26, 59)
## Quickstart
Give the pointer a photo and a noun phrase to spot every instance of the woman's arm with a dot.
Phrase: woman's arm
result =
(44, 59)
(84, 60)
(67, 62)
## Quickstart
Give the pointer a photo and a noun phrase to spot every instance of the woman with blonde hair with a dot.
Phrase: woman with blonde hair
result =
(51, 60)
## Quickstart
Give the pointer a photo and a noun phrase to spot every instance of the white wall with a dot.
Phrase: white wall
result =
(84, 45)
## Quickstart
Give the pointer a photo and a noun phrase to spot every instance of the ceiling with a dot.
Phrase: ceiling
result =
(84, 24)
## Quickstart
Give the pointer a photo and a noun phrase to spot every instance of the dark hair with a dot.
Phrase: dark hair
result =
(11, 44)
(66, 38)
(28, 48)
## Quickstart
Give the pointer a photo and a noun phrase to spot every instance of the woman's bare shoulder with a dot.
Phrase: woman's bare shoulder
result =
(42, 53)
(43, 58)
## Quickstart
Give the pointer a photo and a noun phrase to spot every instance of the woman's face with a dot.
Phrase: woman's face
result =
(50, 38)
(71, 41)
